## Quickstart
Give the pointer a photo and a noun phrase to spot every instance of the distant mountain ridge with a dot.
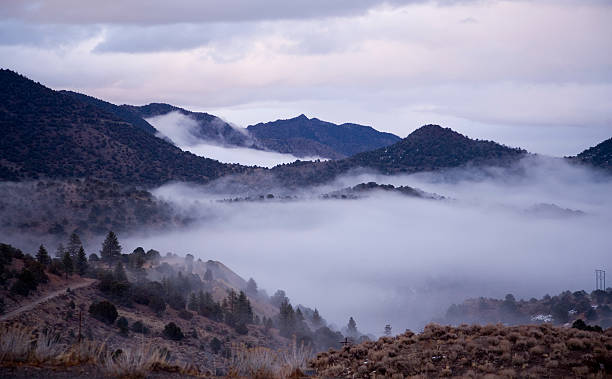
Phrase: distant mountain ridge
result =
(50, 134)
(210, 129)
(598, 156)
(301, 136)
(429, 148)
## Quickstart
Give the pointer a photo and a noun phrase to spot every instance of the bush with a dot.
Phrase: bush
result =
(123, 325)
(185, 314)
(215, 345)
(104, 311)
(241, 329)
(139, 327)
(173, 332)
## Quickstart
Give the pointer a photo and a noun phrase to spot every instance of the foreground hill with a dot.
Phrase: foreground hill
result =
(46, 133)
(598, 156)
(210, 128)
(428, 148)
(303, 137)
(530, 351)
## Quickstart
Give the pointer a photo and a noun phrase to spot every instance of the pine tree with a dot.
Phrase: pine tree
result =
(42, 256)
(59, 253)
(251, 287)
(74, 244)
(193, 304)
(208, 275)
(351, 328)
(68, 264)
(110, 247)
(286, 318)
(81, 261)
(119, 273)
(316, 318)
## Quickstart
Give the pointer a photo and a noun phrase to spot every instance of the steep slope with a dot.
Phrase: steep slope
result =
(121, 112)
(210, 128)
(303, 136)
(46, 133)
(428, 148)
(598, 156)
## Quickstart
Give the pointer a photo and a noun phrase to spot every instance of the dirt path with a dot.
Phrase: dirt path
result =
(30, 306)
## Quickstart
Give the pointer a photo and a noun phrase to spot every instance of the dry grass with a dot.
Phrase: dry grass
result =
(475, 351)
(23, 345)
(261, 362)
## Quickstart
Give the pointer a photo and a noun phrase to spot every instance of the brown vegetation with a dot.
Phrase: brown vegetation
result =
(475, 351)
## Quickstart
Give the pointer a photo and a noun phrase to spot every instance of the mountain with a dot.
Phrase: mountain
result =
(303, 136)
(428, 148)
(210, 128)
(123, 113)
(46, 133)
(598, 156)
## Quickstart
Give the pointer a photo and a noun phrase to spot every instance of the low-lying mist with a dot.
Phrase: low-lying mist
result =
(182, 131)
(392, 259)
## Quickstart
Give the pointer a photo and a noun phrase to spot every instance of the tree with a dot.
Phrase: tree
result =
(74, 244)
(110, 247)
(208, 275)
(215, 345)
(59, 253)
(278, 298)
(119, 273)
(68, 264)
(42, 256)
(251, 287)
(351, 328)
(316, 318)
(189, 263)
(81, 261)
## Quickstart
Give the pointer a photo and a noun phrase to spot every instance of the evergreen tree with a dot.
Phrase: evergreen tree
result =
(193, 304)
(81, 261)
(251, 288)
(351, 328)
(189, 263)
(68, 264)
(286, 319)
(316, 318)
(74, 244)
(42, 256)
(110, 247)
(59, 253)
(208, 275)
(119, 273)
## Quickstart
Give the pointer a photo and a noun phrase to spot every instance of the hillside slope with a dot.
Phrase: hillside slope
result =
(598, 156)
(428, 148)
(303, 136)
(46, 133)
(210, 128)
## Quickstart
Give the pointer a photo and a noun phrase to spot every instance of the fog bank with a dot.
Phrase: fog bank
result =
(399, 260)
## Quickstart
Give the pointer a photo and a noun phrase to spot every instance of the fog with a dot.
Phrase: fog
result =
(182, 131)
(399, 260)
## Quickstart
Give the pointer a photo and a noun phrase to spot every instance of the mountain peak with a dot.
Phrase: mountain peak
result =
(301, 117)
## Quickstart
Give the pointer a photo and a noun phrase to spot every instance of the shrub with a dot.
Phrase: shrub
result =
(215, 345)
(173, 332)
(104, 311)
(139, 327)
(185, 314)
(241, 329)
(123, 325)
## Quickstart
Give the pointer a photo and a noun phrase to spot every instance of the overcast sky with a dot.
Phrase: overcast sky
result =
(536, 74)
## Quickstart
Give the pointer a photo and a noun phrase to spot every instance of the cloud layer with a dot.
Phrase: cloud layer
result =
(539, 68)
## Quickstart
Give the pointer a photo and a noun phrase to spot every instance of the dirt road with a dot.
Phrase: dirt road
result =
(30, 306)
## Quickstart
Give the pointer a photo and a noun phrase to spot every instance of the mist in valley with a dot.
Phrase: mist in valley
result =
(539, 227)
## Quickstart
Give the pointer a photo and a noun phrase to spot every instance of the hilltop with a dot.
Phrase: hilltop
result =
(429, 148)
(307, 137)
(49, 134)
(599, 156)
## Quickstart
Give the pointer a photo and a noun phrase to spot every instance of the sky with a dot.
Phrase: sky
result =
(535, 74)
